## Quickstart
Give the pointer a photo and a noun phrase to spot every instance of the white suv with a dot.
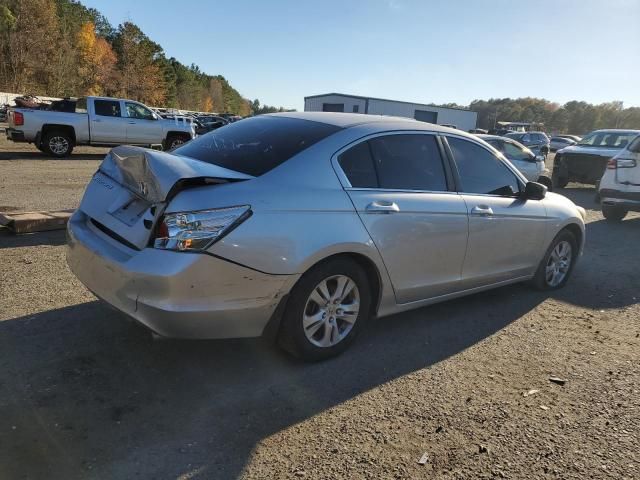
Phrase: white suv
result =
(619, 188)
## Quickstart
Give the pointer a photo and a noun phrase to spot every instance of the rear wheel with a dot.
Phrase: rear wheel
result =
(325, 311)
(613, 213)
(57, 143)
(556, 266)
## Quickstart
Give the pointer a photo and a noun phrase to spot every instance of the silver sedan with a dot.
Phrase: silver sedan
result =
(305, 225)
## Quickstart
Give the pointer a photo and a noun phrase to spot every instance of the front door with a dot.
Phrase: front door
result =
(403, 197)
(143, 128)
(506, 232)
(107, 123)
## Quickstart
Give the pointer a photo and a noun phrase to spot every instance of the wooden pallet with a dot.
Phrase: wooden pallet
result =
(28, 222)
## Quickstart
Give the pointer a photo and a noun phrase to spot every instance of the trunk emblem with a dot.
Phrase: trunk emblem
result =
(143, 188)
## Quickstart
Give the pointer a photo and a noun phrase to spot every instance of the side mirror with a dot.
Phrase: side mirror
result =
(534, 191)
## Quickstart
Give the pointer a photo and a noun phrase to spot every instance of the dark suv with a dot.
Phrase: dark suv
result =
(537, 142)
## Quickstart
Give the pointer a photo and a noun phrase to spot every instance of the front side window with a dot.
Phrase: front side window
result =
(256, 145)
(608, 139)
(408, 162)
(480, 171)
(514, 152)
(135, 110)
(107, 108)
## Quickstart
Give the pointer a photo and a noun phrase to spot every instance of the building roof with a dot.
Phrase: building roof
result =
(386, 100)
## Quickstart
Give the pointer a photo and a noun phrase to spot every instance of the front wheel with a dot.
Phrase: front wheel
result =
(546, 181)
(613, 213)
(556, 266)
(174, 141)
(325, 311)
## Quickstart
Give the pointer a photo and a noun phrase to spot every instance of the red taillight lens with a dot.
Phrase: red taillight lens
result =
(18, 119)
(612, 164)
(162, 230)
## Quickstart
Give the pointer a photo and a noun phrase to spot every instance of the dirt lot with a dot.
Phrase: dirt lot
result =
(84, 393)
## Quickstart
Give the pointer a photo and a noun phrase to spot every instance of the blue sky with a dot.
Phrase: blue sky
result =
(415, 50)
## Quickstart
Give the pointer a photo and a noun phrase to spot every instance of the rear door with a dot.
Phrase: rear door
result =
(401, 190)
(143, 128)
(506, 233)
(107, 123)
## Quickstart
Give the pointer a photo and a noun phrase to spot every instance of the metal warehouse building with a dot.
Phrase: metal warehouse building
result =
(339, 102)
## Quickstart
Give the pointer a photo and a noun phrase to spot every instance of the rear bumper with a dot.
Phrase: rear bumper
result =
(15, 135)
(175, 294)
(618, 198)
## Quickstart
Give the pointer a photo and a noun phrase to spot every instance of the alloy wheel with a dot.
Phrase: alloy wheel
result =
(58, 145)
(558, 264)
(331, 311)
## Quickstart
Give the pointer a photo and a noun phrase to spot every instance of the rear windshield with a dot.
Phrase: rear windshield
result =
(608, 139)
(256, 145)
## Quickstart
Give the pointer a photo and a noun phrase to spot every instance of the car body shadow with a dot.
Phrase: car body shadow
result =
(87, 394)
(9, 239)
(37, 155)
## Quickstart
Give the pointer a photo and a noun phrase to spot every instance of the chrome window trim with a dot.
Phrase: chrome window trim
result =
(346, 184)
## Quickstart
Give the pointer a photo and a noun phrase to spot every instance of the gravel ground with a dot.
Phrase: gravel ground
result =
(85, 393)
(29, 180)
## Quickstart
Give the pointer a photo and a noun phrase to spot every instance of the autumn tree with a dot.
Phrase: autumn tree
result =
(141, 74)
(28, 34)
(96, 64)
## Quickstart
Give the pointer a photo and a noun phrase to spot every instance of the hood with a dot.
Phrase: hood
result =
(154, 175)
(584, 150)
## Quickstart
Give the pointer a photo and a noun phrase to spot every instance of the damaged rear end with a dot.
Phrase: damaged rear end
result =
(154, 266)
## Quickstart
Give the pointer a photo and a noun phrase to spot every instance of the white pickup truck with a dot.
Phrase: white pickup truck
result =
(96, 121)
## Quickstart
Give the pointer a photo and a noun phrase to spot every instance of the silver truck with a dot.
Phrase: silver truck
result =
(96, 121)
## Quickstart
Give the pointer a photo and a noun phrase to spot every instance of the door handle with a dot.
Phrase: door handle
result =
(382, 207)
(131, 123)
(482, 210)
(96, 120)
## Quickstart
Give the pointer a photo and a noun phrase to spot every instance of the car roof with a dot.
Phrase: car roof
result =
(485, 136)
(616, 130)
(346, 120)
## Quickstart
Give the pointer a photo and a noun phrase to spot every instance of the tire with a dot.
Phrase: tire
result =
(174, 141)
(559, 182)
(545, 279)
(326, 322)
(613, 214)
(541, 280)
(546, 181)
(57, 143)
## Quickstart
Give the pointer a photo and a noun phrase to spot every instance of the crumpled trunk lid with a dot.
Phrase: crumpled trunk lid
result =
(132, 187)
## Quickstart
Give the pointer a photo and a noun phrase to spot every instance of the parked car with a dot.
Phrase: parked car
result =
(558, 143)
(96, 121)
(304, 225)
(619, 188)
(528, 164)
(586, 161)
(3, 112)
(537, 142)
(575, 138)
(478, 130)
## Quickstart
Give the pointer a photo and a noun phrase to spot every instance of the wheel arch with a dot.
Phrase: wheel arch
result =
(68, 129)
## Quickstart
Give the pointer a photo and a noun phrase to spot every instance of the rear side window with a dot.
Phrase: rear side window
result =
(107, 108)
(256, 145)
(408, 162)
(480, 171)
(357, 165)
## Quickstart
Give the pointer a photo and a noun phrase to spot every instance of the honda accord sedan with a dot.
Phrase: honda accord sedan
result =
(305, 225)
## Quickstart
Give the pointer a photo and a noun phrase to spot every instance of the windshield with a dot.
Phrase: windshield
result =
(608, 139)
(515, 136)
(256, 145)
